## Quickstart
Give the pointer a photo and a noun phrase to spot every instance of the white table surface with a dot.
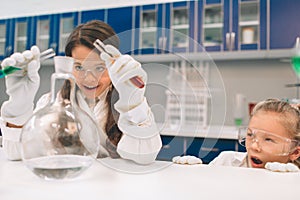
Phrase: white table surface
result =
(168, 181)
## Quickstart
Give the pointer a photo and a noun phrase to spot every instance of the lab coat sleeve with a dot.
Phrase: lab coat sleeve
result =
(141, 140)
(230, 158)
(11, 136)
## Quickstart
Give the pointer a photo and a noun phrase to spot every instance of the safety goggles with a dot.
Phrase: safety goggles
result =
(96, 70)
(266, 141)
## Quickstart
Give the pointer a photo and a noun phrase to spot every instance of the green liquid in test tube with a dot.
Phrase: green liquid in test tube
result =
(296, 65)
(8, 70)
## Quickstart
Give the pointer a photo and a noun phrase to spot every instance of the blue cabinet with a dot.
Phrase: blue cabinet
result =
(164, 28)
(44, 32)
(205, 148)
(5, 40)
(93, 15)
(209, 148)
(121, 19)
(64, 25)
(284, 23)
(232, 25)
(172, 146)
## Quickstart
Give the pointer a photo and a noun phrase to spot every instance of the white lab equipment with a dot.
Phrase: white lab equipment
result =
(187, 94)
(60, 140)
(239, 109)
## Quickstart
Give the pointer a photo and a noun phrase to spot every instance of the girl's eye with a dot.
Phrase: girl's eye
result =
(249, 134)
(269, 140)
(100, 68)
(79, 68)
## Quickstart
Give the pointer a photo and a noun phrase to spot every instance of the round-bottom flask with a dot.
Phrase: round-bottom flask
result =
(60, 140)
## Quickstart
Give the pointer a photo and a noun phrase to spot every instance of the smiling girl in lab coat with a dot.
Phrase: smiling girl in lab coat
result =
(129, 133)
(272, 139)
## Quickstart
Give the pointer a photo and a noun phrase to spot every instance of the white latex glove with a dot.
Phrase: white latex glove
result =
(121, 68)
(21, 89)
(189, 160)
(281, 167)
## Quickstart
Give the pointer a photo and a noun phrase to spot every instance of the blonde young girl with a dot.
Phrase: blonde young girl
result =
(272, 136)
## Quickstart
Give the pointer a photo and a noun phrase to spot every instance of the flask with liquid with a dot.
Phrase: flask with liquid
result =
(60, 141)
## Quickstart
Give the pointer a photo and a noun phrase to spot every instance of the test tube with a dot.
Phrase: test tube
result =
(21, 70)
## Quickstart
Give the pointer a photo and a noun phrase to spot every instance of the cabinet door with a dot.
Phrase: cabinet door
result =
(182, 26)
(92, 15)
(211, 24)
(233, 25)
(121, 21)
(66, 23)
(284, 23)
(22, 33)
(249, 24)
(207, 148)
(3, 38)
(172, 146)
(41, 36)
(148, 23)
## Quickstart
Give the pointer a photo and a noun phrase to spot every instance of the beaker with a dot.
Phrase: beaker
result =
(60, 140)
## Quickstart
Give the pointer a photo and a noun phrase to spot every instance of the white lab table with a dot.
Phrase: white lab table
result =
(167, 181)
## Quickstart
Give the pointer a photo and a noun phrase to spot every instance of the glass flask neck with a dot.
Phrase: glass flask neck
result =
(64, 76)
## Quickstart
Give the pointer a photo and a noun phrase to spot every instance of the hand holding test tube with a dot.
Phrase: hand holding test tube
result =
(137, 81)
(22, 84)
(11, 66)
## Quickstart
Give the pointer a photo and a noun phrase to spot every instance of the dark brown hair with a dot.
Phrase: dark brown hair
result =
(86, 34)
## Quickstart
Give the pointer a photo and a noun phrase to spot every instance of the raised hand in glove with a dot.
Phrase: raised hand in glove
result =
(21, 89)
(121, 69)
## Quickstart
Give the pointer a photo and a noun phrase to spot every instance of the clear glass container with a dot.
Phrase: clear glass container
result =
(60, 141)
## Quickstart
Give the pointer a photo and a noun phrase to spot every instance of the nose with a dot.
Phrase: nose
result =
(89, 75)
(255, 145)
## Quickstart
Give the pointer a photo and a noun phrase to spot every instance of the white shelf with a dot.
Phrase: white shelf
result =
(180, 26)
(215, 25)
(234, 55)
(148, 29)
(249, 23)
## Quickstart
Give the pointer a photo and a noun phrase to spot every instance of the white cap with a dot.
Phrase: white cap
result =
(63, 64)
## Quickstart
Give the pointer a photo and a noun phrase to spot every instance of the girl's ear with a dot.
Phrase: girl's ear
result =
(296, 154)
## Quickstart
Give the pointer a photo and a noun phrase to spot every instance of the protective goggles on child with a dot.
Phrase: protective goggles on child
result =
(96, 70)
(266, 141)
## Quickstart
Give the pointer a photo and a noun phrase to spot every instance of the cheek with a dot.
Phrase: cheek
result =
(105, 80)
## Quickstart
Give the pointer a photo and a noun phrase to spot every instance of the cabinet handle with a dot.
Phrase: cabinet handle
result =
(232, 42)
(53, 45)
(210, 149)
(162, 43)
(167, 146)
(8, 50)
(228, 45)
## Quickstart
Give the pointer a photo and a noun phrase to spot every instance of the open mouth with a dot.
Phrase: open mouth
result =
(90, 87)
(256, 161)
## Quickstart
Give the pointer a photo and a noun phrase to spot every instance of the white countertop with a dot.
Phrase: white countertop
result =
(168, 181)
(219, 132)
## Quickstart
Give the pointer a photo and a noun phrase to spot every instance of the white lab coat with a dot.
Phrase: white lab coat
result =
(231, 158)
(140, 141)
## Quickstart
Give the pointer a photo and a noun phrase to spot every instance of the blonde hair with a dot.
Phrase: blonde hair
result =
(290, 116)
